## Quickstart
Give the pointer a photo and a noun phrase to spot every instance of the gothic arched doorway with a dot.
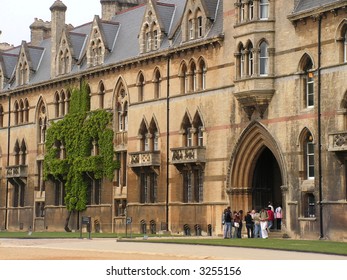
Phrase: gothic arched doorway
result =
(257, 170)
(266, 181)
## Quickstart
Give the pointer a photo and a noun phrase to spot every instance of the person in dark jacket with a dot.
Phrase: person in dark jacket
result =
(249, 225)
(227, 223)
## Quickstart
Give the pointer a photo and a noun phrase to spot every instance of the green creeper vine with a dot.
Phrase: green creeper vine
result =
(77, 133)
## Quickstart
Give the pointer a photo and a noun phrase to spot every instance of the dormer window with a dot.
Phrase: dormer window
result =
(96, 50)
(151, 37)
(151, 33)
(23, 68)
(96, 53)
(196, 21)
(148, 40)
(64, 62)
(64, 59)
(23, 73)
(155, 38)
(200, 27)
(195, 25)
(191, 28)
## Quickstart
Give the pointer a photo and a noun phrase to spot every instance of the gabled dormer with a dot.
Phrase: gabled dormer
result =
(152, 29)
(64, 55)
(198, 18)
(24, 65)
(96, 48)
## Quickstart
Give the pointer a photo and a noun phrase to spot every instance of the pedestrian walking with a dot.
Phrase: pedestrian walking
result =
(263, 223)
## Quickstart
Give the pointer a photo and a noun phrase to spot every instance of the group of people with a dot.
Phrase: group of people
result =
(258, 223)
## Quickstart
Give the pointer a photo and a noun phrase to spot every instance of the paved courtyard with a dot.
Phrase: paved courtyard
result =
(111, 249)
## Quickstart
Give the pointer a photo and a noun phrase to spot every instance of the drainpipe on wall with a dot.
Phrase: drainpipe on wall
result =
(8, 158)
(167, 140)
(320, 128)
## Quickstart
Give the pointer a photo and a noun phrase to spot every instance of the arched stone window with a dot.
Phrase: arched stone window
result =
(121, 108)
(199, 24)
(42, 123)
(191, 26)
(186, 129)
(341, 39)
(148, 178)
(96, 50)
(263, 59)
(101, 95)
(56, 104)
(192, 77)
(202, 74)
(141, 87)
(23, 153)
(144, 137)
(157, 84)
(154, 136)
(151, 34)
(306, 67)
(264, 9)
(21, 111)
(23, 71)
(250, 60)
(62, 103)
(26, 111)
(16, 112)
(198, 131)
(306, 165)
(183, 78)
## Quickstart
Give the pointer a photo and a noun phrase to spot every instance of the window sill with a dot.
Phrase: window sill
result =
(307, 219)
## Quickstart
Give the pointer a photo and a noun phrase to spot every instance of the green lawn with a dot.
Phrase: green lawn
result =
(317, 246)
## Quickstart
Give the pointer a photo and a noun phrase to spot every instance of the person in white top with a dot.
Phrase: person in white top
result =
(278, 217)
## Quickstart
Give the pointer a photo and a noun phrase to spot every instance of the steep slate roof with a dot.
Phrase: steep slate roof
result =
(110, 30)
(165, 12)
(177, 14)
(121, 38)
(217, 28)
(310, 5)
(78, 41)
(127, 43)
(9, 64)
(210, 7)
(43, 73)
(35, 54)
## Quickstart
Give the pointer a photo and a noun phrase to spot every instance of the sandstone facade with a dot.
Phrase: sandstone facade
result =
(216, 103)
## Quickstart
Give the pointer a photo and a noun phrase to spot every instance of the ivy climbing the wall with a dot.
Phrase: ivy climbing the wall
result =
(79, 144)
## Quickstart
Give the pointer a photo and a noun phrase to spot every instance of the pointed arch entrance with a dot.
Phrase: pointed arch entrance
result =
(256, 171)
(266, 180)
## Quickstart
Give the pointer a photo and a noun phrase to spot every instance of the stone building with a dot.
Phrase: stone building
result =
(216, 103)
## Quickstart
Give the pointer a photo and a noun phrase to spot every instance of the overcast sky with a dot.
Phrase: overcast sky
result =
(17, 15)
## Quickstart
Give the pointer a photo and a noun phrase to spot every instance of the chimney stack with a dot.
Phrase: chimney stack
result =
(40, 31)
(58, 10)
(110, 7)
